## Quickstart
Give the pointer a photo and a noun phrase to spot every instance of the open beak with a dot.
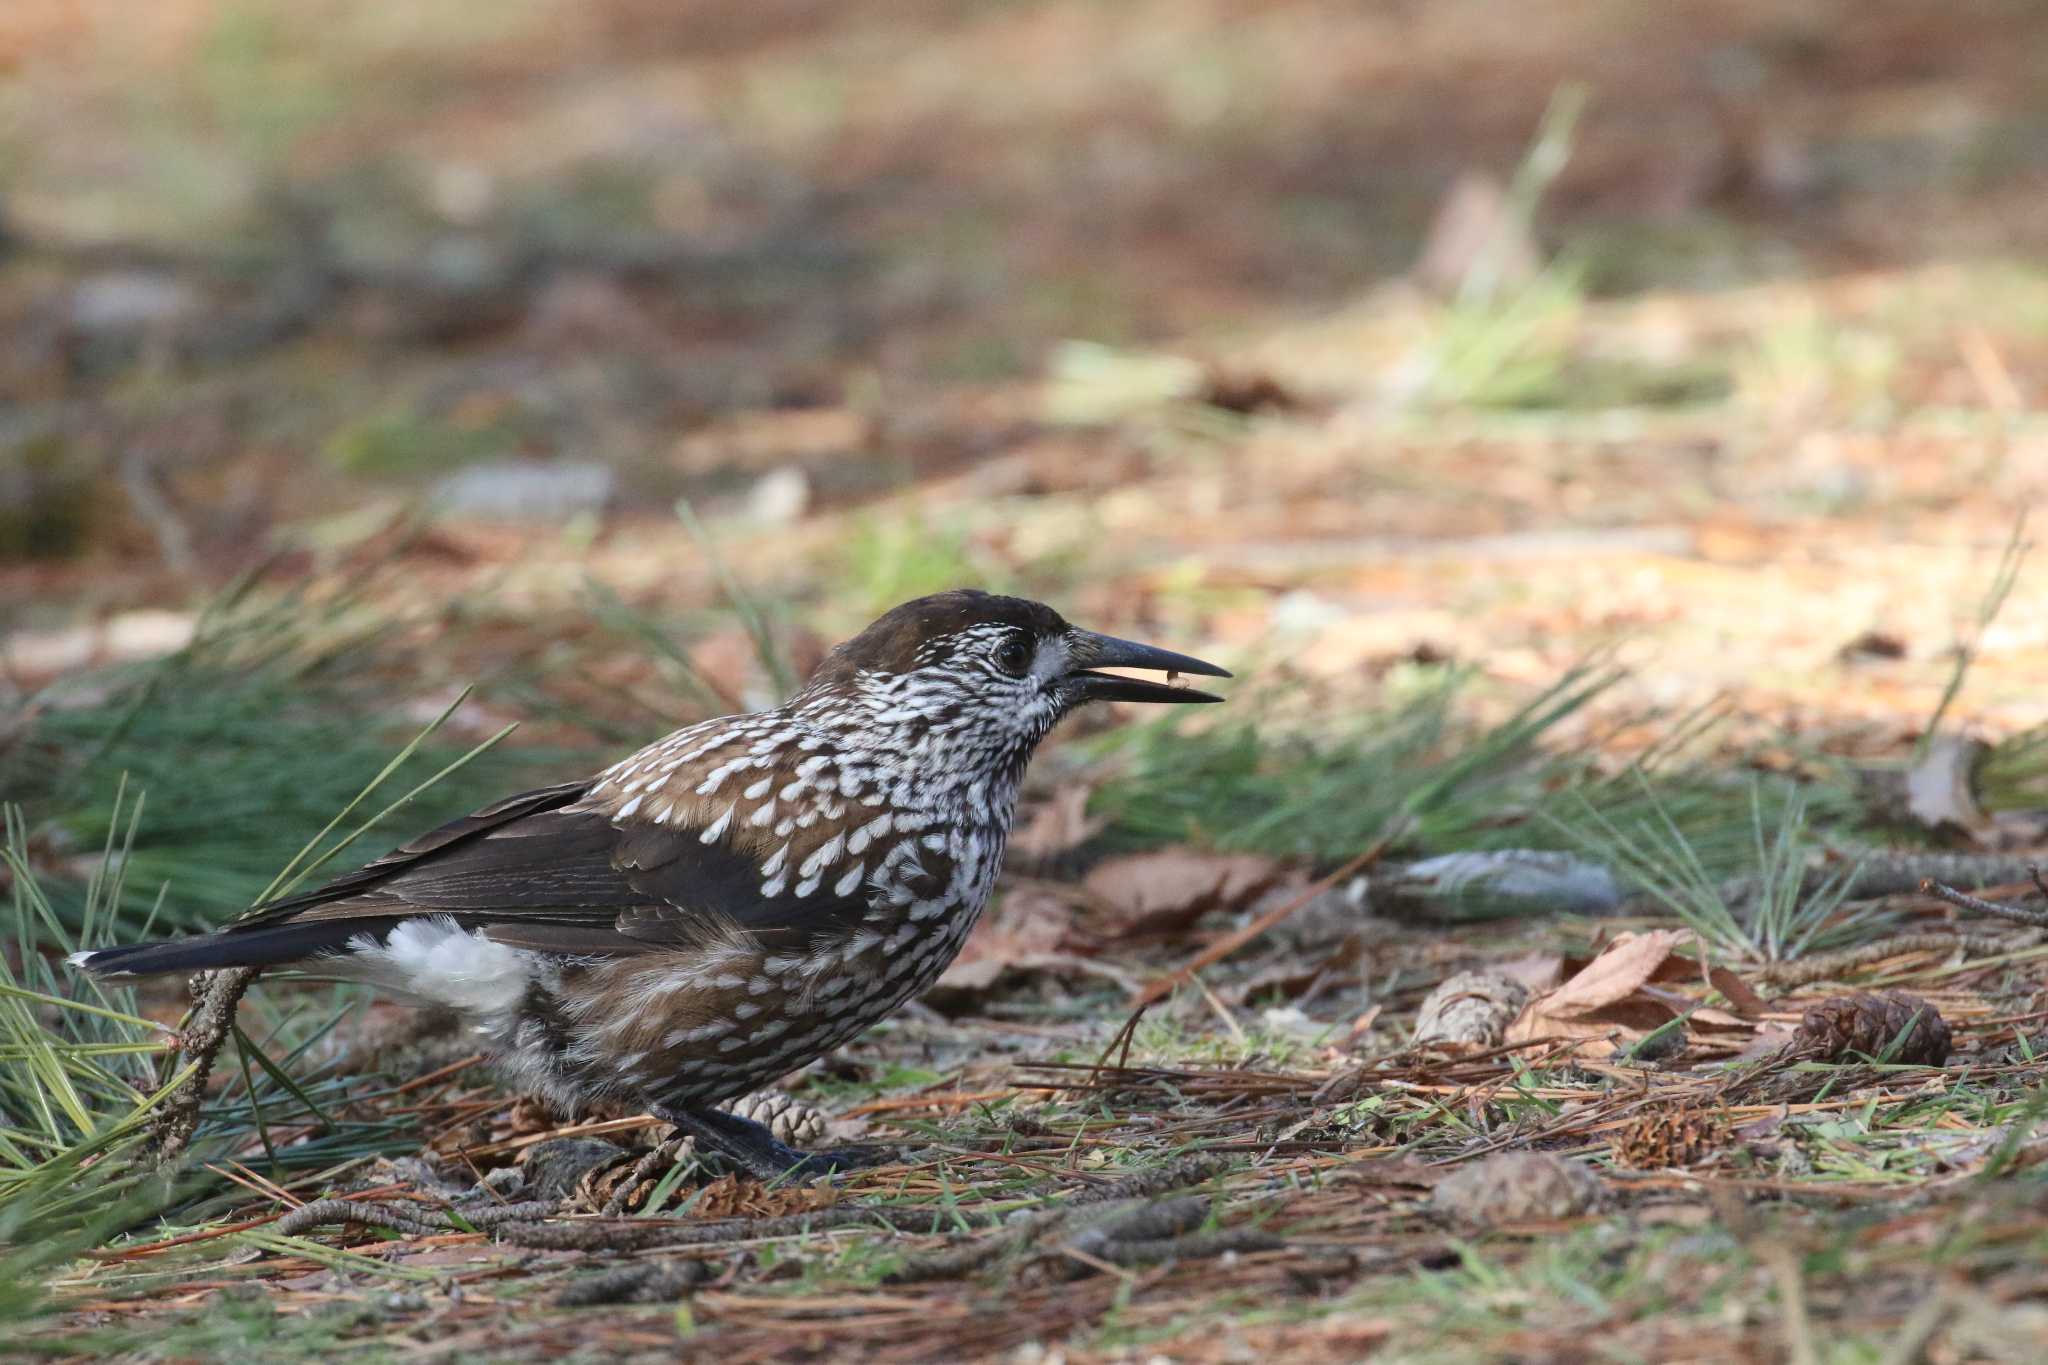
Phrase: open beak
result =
(1090, 651)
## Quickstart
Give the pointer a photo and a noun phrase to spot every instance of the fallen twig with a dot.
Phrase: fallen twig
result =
(1963, 900)
(496, 1215)
(964, 1258)
(1825, 966)
(211, 1024)
(1118, 1225)
(1194, 1168)
(1194, 1246)
(646, 1282)
(637, 1234)
(1892, 872)
(1143, 1223)
(322, 1211)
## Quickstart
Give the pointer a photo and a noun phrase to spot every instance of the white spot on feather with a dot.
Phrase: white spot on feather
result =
(716, 778)
(824, 855)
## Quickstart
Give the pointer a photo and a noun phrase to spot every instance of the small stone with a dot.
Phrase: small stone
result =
(1517, 880)
(542, 491)
(779, 497)
(1289, 1021)
(127, 301)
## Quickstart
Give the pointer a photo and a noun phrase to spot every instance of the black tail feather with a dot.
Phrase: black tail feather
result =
(267, 947)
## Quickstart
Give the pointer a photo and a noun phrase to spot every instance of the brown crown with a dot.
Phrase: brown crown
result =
(892, 643)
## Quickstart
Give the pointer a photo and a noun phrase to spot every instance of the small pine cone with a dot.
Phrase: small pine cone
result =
(1668, 1139)
(1871, 1024)
(1469, 1011)
(1518, 1187)
(624, 1183)
(596, 1186)
(789, 1118)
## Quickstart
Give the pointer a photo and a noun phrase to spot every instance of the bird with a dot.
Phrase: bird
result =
(731, 901)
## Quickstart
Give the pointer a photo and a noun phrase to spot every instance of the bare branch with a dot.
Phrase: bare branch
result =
(1962, 900)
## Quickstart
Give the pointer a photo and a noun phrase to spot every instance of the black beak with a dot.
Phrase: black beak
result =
(1090, 651)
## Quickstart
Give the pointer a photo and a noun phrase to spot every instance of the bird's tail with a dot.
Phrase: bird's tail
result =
(271, 946)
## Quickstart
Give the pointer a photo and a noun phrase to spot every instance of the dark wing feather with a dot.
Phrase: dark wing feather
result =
(493, 816)
(535, 874)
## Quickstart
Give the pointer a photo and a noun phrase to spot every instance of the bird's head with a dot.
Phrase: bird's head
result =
(970, 674)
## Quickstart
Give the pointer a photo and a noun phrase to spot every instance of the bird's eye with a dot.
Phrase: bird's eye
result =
(1013, 656)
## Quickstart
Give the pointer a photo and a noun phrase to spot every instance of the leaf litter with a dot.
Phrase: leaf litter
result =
(1456, 503)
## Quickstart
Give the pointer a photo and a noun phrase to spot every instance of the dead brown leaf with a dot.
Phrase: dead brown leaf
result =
(1032, 922)
(1740, 993)
(1056, 826)
(1605, 1002)
(1032, 930)
(1627, 964)
(1290, 974)
(1536, 971)
(1168, 890)
(971, 974)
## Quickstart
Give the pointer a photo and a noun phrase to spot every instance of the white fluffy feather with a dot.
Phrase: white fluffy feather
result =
(438, 961)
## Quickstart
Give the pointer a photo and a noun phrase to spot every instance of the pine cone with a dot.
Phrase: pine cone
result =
(624, 1183)
(613, 1179)
(1518, 1187)
(789, 1118)
(1669, 1138)
(1873, 1024)
(1469, 1011)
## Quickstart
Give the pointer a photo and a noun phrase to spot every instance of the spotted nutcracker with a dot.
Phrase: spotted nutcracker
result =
(732, 900)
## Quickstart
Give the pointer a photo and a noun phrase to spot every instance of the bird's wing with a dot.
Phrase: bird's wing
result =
(538, 871)
(415, 851)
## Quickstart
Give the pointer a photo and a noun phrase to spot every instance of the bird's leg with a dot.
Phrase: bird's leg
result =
(755, 1150)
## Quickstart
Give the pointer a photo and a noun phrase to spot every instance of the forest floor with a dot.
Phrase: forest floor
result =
(1660, 559)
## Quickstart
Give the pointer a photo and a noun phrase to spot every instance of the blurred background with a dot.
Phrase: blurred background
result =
(618, 355)
(1597, 434)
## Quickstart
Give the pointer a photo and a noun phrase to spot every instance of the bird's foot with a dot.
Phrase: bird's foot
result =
(757, 1151)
